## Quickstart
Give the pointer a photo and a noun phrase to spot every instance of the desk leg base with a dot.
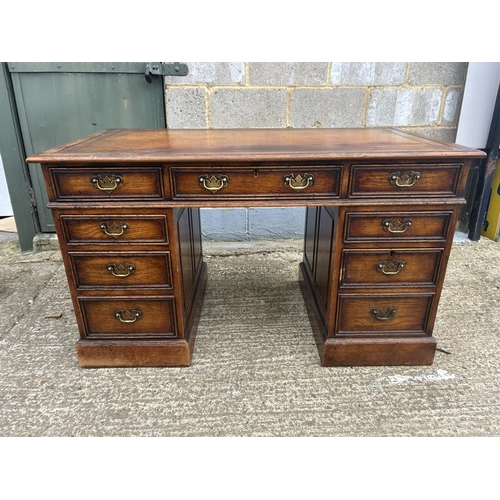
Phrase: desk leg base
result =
(152, 353)
(114, 354)
(378, 352)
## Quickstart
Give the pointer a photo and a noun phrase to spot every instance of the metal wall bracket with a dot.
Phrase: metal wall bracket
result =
(165, 69)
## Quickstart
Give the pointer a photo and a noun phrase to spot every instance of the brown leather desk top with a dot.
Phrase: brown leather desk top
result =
(167, 145)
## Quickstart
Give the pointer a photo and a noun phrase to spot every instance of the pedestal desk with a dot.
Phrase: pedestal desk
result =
(382, 206)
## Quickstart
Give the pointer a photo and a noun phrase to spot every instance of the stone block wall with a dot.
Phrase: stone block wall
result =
(421, 97)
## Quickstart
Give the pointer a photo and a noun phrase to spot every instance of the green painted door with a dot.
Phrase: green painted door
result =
(60, 102)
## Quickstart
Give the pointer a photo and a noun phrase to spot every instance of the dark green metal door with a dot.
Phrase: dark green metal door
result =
(60, 102)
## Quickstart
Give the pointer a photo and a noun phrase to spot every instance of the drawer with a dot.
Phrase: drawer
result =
(403, 226)
(287, 182)
(114, 229)
(390, 268)
(383, 314)
(371, 181)
(107, 183)
(130, 317)
(121, 270)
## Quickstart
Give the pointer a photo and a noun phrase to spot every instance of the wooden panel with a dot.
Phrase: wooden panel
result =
(197, 241)
(390, 267)
(383, 226)
(156, 317)
(121, 270)
(375, 180)
(258, 181)
(129, 183)
(138, 229)
(322, 274)
(409, 314)
(310, 237)
(185, 253)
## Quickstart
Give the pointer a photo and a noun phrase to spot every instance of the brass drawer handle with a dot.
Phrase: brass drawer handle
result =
(213, 183)
(114, 228)
(107, 183)
(129, 316)
(297, 182)
(405, 180)
(396, 226)
(383, 315)
(120, 270)
(390, 267)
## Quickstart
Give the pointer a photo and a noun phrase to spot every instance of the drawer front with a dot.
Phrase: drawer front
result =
(131, 317)
(107, 183)
(403, 226)
(371, 181)
(114, 229)
(390, 267)
(384, 314)
(121, 270)
(287, 182)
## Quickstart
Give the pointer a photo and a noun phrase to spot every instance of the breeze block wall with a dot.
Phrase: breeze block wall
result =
(416, 96)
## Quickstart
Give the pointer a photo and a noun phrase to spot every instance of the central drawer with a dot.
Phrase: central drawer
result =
(287, 182)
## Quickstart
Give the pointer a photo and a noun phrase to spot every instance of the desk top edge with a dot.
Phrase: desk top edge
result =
(183, 145)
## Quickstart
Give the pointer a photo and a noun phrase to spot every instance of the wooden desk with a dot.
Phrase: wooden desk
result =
(382, 206)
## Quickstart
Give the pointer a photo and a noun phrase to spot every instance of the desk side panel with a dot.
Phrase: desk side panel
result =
(319, 258)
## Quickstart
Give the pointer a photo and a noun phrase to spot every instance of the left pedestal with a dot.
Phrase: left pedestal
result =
(137, 279)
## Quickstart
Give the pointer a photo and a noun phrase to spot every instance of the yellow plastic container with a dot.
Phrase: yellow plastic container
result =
(492, 223)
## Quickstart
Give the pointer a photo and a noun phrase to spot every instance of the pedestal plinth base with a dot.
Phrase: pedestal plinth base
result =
(378, 352)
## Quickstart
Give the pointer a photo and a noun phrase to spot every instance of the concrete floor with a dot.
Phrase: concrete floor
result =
(255, 370)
